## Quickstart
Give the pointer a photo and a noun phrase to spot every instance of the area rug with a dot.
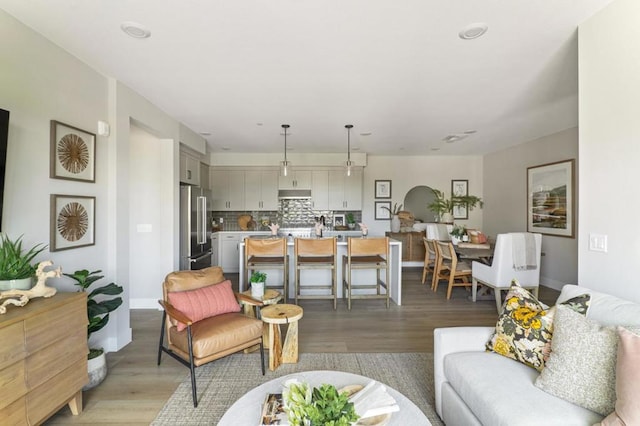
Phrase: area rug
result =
(222, 382)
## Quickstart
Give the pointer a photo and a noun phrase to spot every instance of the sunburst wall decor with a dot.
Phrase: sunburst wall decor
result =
(72, 221)
(72, 153)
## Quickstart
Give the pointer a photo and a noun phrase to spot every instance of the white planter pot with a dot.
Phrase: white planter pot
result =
(446, 218)
(97, 369)
(455, 240)
(395, 223)
(21, 284)
(257, 290)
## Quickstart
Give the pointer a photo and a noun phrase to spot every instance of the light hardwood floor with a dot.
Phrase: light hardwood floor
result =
(136, 388)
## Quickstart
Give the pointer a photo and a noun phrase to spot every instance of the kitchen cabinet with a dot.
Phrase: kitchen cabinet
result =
(228, 253)
(227, 188)
(215, 249)
(320, 189)
(296, 179)
(260, 190)
(345, 192)
(205, 182)
(189, 169)
(412, 245)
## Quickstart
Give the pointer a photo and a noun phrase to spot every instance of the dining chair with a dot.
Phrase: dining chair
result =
(457, 273)
(202, 321)
(267, 254)
(504, 268)
(429, 260)
(366, 253)
(315, 254)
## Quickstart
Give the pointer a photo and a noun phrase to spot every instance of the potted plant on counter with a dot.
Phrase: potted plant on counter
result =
(351, 220)
(16, 268)
(98, 313)
(443, 206)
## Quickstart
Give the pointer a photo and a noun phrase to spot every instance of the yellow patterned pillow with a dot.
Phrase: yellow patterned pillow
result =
(525, 326)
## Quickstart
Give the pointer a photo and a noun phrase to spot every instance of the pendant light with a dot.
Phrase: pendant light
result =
(349, 164)
(285, 165)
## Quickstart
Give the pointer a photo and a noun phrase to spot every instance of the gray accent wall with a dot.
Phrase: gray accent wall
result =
(505, 198)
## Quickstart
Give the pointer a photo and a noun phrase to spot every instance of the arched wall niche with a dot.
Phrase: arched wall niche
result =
(417, 200)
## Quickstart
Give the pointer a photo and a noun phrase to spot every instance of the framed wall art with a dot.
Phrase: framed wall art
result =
(383, 189)
(72, 221)
(338, 220)
(460, 188)
(73, 153)
(550, 198)
(381, 212)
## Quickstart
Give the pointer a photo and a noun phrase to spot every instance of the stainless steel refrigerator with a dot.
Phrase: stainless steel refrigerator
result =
(195, 241)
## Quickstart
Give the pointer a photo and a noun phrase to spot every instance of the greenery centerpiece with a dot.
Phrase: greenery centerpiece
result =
(319, 406)
(257, 281)
(443, 206)
(16, 263)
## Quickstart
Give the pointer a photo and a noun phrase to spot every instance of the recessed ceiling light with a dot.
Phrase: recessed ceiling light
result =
(135, 30)
(226, 148)
(355, 149)
(366, 134)
(472, 31)
(435, 148)
(205, 133)
(451, 138)
(258, 124)
(470, 132)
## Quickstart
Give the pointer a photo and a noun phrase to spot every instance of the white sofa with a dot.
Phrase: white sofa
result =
(475, 387)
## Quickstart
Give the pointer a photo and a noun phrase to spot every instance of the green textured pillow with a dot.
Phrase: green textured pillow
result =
(525, 326)
(582, 365)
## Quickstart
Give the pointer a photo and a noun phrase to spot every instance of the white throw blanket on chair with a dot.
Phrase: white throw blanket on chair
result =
(524, 251)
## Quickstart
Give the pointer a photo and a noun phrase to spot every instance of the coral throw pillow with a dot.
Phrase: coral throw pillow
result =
(205, 302)
(627, 381)
(525, 326)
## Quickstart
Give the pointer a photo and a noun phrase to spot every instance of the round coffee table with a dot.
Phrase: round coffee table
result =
(246, 410)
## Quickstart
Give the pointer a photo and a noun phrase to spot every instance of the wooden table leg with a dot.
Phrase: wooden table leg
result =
(275, 347)
(290, 350)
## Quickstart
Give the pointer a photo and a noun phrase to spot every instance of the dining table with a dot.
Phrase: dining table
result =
(483, 253)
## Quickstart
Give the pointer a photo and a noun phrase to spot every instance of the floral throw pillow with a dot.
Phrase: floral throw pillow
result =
(525, 326)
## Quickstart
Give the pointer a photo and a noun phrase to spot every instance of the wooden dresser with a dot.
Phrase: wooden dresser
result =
(412, 245)
(43, 358)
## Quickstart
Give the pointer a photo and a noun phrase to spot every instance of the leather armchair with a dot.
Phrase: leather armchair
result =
(210, 338)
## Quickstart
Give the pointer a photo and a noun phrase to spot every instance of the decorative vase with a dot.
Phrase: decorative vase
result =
(351, 225)
(446, 217)
(257, 290)
(97, 369)
(455, 240)
(20, 284)
(395, 223)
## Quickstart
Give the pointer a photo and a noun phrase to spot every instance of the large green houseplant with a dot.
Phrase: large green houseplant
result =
(98, 314)
(443, 206)
(16, 263)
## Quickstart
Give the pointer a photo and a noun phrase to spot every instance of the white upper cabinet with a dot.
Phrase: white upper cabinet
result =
(345, 192)
(228, 188)
(189, 169)
(260, 190)
(204, 176)
(320, 190)
(296, 179)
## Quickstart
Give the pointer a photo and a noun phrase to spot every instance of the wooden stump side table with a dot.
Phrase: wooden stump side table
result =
(275, 315)
(271, 297)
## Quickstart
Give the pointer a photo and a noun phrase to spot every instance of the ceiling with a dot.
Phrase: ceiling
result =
(398, 71)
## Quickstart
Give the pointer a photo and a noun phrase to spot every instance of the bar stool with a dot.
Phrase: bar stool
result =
(366, 253)
(267, 254)
(315, 254)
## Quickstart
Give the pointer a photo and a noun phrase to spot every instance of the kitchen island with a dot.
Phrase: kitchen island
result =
(395, 273)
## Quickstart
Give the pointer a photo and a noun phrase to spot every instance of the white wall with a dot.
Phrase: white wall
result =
(40, 82)
(609, 64)
(407, 172)
(505, 195)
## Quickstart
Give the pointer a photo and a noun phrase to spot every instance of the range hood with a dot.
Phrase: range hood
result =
(294, 194)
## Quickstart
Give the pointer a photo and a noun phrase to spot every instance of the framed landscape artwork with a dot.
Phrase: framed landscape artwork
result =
(72, 221)
(550, 198)
(73, 153)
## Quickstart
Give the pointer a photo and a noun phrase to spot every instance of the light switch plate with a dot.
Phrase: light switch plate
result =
(598, 242)
(144, 227)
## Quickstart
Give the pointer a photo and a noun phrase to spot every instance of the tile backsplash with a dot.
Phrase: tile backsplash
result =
(296, 213)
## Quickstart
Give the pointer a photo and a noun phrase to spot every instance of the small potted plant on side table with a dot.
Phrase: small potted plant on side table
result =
(257, 281)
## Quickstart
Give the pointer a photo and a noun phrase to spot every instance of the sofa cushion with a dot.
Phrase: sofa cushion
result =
(627, 381)
(205, 302)
(525, 327)
(501, 391)
(581, 368)
(604, 308)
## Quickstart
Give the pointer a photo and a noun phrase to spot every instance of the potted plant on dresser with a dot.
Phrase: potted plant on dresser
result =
(98, 313)
(16, 268)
